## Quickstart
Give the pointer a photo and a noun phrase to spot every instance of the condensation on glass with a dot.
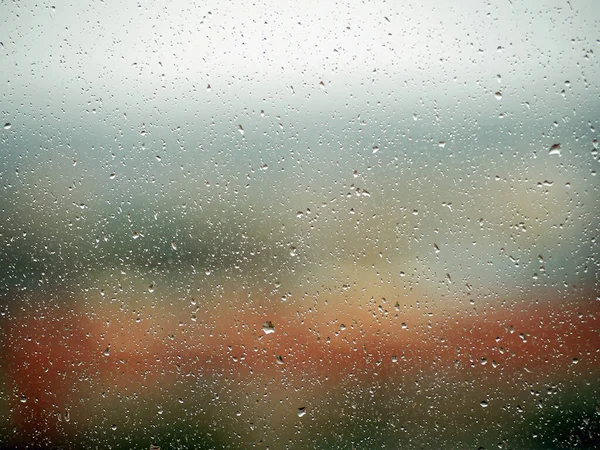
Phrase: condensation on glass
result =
(299, 225)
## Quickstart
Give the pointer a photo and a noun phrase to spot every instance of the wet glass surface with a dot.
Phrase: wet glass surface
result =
(282, 225)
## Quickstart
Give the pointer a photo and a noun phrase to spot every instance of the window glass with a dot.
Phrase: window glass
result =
(328, 225)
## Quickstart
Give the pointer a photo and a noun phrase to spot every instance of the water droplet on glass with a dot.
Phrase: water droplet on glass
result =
(7, 126)
(441, 144)
(268, 327)
(112, 176)
(241, 130)
(554, 150)
(301, 411)
(107, 351)
(151, 288)
(484, 404)
(23, 398)
(113, 427)
(498, 95)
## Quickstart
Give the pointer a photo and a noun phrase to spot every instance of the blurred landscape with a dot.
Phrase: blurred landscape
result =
(217, 234)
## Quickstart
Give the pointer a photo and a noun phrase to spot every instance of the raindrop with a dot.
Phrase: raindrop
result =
(301, 411)
(268, 327)
(241, 130)
(23, 398)
(7, 126)
(113, 427)
(554, 150)
(484, 404)
(498, 95)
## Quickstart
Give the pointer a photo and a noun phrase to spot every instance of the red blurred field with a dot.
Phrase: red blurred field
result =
(66, 368)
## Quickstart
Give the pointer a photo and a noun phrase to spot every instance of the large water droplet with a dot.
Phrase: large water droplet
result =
(554, 150)
(268, 327)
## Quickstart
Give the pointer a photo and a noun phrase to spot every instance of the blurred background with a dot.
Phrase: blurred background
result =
(281, 225)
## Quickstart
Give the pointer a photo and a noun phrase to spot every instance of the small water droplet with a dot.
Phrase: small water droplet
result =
(107, 351)
(112, 176)
(484, 404)
(113, 427)
(151, 288)
(23, 398)
(375, 149)
(301, 411)
(7, 126)
(498, 95)
(241, 130)
(441, 144)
